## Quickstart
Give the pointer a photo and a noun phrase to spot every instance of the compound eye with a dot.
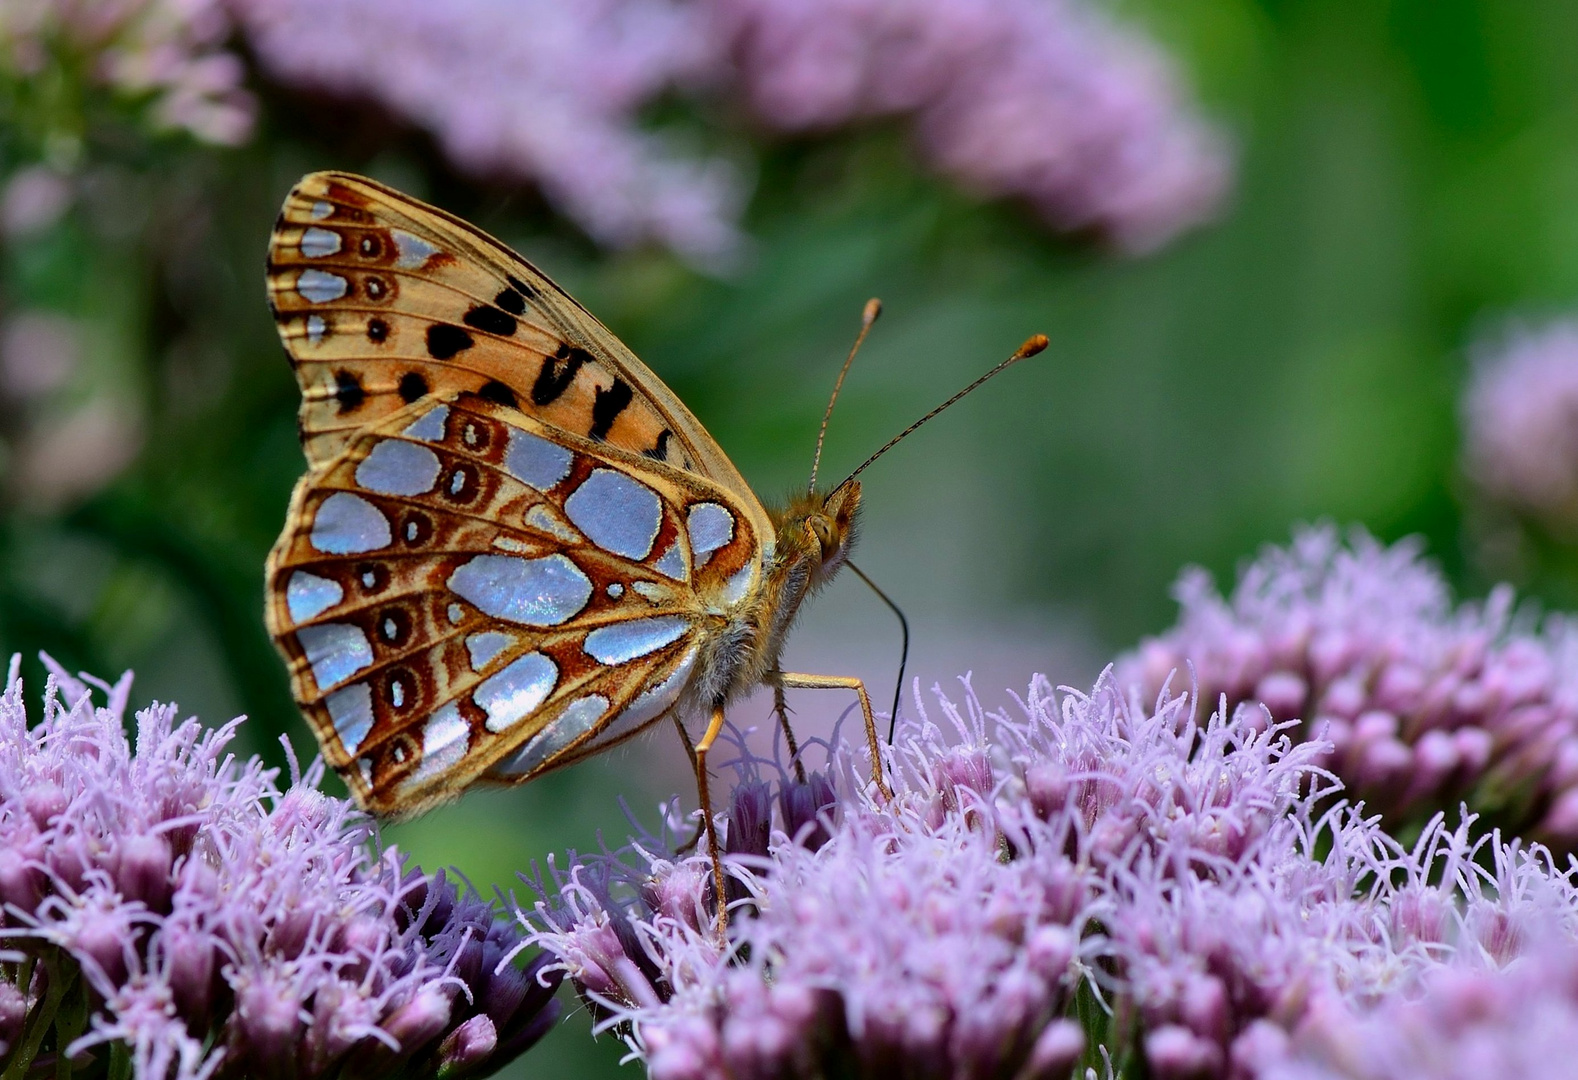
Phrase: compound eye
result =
(826, 535)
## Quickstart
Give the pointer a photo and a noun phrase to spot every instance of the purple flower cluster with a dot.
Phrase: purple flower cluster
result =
(1044, 100)
(166, 53)
(1464, 1025)
(534, 89)
(1190, 892)
(1520, 441)
(168, 908)
(1424, 702)
(1049, 101)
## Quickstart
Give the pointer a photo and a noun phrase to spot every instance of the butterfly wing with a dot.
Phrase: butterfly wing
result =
(381, 299)
(467, 593)
(428, 627)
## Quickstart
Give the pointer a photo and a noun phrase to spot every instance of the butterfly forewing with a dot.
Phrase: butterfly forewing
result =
(468, 593)
(381, 299)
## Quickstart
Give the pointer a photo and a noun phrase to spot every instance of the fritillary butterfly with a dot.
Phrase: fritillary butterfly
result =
(514, 546)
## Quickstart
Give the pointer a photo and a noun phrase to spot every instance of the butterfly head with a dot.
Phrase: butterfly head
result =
(820, 528)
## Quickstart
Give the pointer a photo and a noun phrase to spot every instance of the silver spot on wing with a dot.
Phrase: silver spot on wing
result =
(347, 524)
(516, 691)
(413, 250)
(617, 513)
(619, 643)
(445, 738)
(650, 705)
(485, 646)
(672, 563)
(351, 712)
(536, 461)
(320, 286)
(316, 242)
(396, 467)
(429, 427)
(336, 651)
(307, 595)
(537, 592)
(711, 527)
(576, 720)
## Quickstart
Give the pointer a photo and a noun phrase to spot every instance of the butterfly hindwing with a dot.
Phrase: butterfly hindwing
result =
(381, 299)
(467, 593)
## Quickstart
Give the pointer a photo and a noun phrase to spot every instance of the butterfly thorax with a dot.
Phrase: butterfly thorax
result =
(814, 534)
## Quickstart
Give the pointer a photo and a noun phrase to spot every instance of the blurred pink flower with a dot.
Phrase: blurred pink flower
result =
(34, 198)
(1463, 1025)
(1045, 100)
(1424, 702)
(532, 89)
(39, 352)
(168, 51)
(1050, 101)
(1520, 421)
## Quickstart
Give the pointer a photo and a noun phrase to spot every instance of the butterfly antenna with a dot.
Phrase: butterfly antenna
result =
(904, 652)
(1024, 352)
(869, 316)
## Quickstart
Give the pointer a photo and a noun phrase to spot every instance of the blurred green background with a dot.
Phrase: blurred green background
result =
(1407, 171)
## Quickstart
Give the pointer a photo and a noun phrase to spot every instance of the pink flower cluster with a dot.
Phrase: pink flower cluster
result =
(1424, 703)
(1048, 101)
(167, 906)
(1189, 892)
(1466, 1024)
(1520, 421)
(531, 89)
(168, 52)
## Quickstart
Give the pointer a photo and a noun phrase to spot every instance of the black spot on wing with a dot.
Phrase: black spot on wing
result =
(498, 393)
(607, 406)
(558, 372)
(348, 391)
(659, 451)
(412, 386)
(377, 331)
(445, 340)
(521, 287)
(490, 320)
(511, 301)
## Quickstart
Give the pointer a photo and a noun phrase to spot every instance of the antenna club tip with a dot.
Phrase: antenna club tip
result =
(873, 309)
(1031, 347)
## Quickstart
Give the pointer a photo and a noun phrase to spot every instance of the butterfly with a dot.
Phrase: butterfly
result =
(514, 546)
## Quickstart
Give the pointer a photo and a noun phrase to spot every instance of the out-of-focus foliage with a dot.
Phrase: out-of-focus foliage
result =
(1405, 171)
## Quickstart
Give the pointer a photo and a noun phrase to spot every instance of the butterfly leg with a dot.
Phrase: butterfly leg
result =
(781, 711)
(794, 680)
(706, 817)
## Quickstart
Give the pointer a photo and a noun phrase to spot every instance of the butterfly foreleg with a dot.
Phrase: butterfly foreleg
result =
(781, 680)
(781, 711)
(700, 759)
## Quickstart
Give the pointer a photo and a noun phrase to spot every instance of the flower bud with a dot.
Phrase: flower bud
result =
(268, 1019)
(750, 819)
(189, 957)
(142, 866)
(467, 1046)
(804, 805)
(1176, 1053)
(1056, 1051)
(21, 883)
(13, 1015)
(422, 1019)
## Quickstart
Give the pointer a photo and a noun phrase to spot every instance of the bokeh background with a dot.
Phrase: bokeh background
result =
(1266, 239)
